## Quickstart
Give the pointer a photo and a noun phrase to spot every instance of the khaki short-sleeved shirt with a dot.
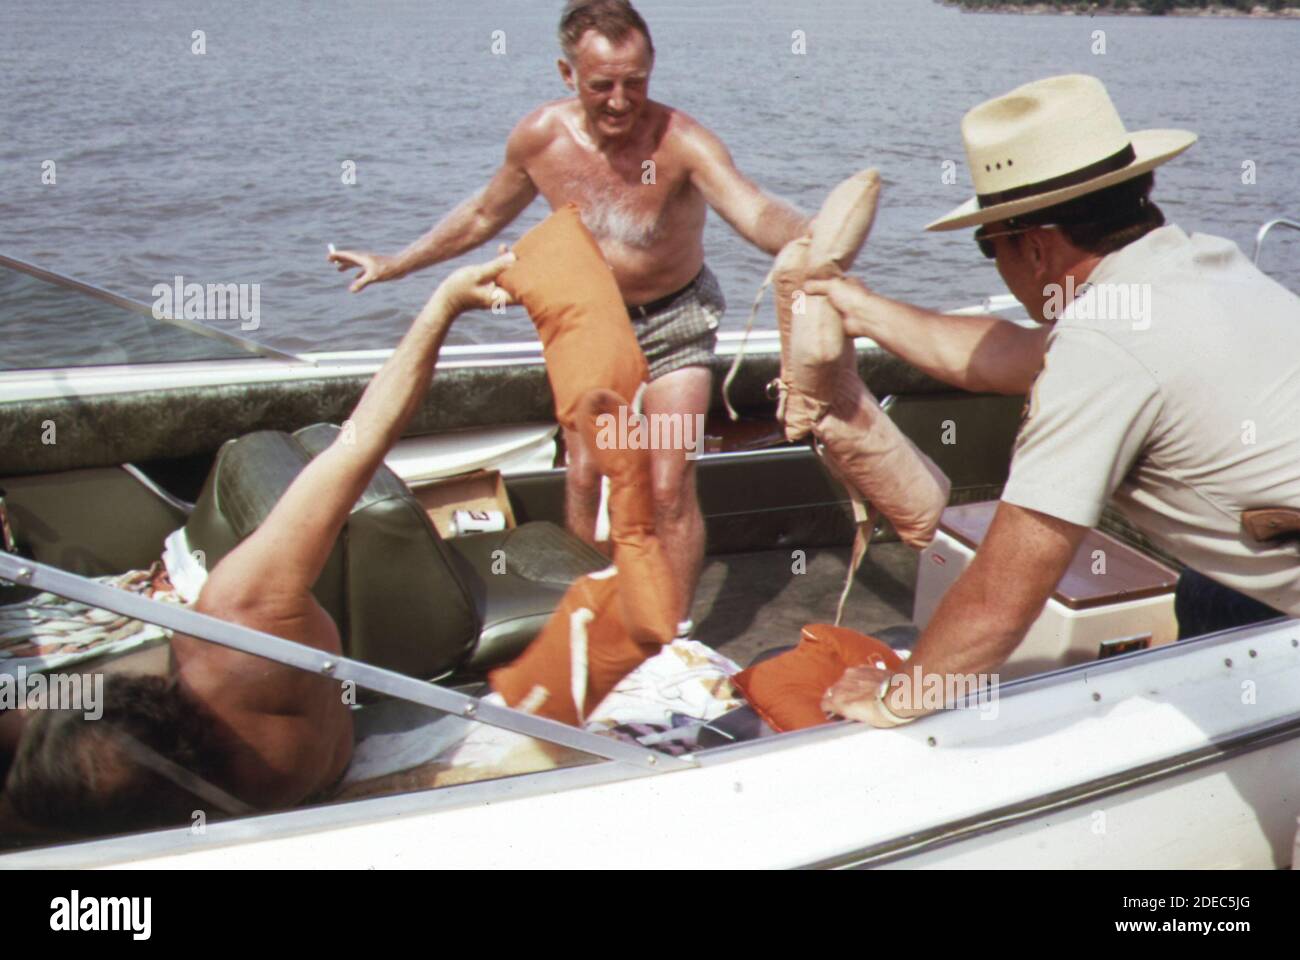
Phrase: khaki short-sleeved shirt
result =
(1171, 384)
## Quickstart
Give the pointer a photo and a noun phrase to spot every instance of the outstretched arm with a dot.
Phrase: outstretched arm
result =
(984, 354)
(288, 551)
(764, 221)
(981, 619)
(474, 222)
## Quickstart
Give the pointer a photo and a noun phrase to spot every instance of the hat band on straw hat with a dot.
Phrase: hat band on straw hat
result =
(1116, 161)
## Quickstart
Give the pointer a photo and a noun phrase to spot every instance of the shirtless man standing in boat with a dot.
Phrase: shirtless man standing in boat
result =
(643, 175)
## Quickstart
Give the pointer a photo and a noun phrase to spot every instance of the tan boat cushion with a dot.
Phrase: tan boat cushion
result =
(822, 393)
(812, 332)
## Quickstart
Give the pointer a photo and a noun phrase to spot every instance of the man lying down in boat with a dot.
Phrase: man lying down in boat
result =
(234, 733)
(227, 730)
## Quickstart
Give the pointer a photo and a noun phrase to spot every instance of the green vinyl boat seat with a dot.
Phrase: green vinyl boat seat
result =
(403, 597)
(517, 578)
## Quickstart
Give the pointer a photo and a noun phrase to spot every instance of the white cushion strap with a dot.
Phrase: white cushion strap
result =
(578, 621)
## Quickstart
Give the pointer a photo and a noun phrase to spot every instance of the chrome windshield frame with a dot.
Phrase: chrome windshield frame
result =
(342, 669)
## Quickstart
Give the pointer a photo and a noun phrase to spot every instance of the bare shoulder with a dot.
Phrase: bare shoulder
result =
(538, 129)
(690, 139)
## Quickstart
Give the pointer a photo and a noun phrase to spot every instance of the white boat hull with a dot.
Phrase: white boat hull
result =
(1167, 758)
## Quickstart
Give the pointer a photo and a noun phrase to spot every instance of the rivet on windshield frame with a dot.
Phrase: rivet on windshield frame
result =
(24, 574)
(327, 666)
(931, 741)
(470, 710)
(1227, 662)
(653, 761)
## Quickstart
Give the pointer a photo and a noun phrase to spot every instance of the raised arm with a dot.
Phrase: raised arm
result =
(473, 222)
(764, 221)
(984, 354)
(287, 552)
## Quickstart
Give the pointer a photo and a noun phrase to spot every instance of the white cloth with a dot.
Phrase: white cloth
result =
(685, 678)
(1185, 408)
(46, 632)
(184, 569)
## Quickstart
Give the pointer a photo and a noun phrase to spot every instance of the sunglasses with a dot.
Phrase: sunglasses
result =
(985, 239)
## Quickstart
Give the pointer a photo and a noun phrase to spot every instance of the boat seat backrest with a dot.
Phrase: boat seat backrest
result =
(391, 584)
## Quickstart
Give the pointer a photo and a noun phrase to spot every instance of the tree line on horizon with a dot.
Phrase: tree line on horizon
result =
(1150, 6)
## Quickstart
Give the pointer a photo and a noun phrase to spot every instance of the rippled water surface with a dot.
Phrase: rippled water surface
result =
(226, 167)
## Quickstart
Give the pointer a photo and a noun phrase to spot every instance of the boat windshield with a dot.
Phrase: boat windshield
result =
(51, 321)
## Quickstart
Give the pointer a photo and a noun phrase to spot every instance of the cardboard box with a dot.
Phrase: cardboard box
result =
(481, 490)
(1112, 599)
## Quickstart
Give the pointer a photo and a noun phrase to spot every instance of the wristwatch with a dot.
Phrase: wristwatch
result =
(887, 717)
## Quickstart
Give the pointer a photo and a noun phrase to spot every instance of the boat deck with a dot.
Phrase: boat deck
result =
(751, 602)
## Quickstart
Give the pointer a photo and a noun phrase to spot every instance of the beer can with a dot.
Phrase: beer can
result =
(476, 521)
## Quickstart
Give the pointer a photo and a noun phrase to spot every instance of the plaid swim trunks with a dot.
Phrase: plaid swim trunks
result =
(680, 330)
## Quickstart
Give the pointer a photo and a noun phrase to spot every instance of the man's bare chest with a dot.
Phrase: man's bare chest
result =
(622, 198)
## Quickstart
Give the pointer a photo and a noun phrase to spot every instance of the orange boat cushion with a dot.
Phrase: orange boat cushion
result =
(649, 590)
(563, 281)
(609, 622)
(586, 629)
(787, 690)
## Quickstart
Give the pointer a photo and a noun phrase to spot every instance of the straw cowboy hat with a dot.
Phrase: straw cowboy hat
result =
(1051, 141)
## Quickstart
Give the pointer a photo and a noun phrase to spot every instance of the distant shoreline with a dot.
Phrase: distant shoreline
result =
(1258, 12)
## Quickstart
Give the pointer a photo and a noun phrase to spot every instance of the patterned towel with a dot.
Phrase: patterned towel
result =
(665, 701)
(48, 632)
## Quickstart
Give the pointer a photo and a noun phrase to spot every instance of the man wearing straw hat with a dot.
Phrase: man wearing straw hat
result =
(1165, 378)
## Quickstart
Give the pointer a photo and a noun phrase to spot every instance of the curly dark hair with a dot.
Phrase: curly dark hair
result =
(78, 775)
(613, 19)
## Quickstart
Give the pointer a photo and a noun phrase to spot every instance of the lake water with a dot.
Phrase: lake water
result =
(226, 166)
